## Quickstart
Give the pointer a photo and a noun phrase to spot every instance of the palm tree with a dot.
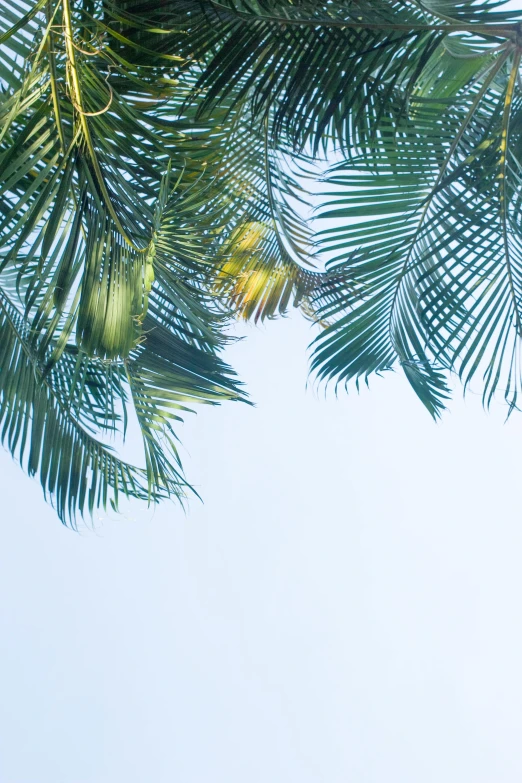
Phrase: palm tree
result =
(153, 157)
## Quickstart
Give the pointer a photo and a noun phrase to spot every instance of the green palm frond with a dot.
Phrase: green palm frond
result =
(324, 69)
(154, 169)
(106, 236)
(43, 427)
(436, 256)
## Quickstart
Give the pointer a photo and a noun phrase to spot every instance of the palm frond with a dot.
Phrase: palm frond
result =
(43, 428)
(153, 175)
(436, 258)
(108, 217)
(324, 69)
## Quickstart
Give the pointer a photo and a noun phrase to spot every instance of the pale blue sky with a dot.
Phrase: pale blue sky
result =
(345, 606)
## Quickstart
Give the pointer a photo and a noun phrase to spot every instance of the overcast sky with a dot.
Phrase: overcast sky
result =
(345, 606)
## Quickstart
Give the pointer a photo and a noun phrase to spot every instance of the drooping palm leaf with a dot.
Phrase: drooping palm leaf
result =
(323, 68)
(437, 263)
(153, 168)
(99, 199)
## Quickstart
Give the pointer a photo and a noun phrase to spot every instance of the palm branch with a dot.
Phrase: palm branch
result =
(154, 161)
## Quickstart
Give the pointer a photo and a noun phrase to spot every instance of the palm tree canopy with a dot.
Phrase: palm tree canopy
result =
(154, 161)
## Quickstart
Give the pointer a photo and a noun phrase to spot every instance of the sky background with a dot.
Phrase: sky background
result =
(344, 607)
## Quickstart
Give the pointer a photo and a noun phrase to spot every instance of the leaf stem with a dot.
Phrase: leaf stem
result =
(506, 116)
(76, 94)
